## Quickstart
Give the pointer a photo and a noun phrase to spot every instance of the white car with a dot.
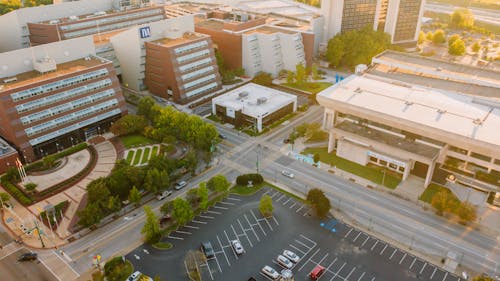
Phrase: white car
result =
(164, 194)
(237, 247)
(180, 185)
(291, 256)
(270, 272)
(134, 276)
(287, 174)
(284, 262)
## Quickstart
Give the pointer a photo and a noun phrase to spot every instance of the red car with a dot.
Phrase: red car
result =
(317, 272)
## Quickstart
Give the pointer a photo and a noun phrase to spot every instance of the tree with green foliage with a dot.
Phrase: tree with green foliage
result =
(356, 47)
(181, 211)
(320, 203)
(4, 197)
(167, 207)
(263, 78)
(457, 48)
(144, 108)
(316, 157)
(129, 124)
(219, 183)
(476, 47)
(290, 77)
(98, 193)
(190, 162)
(421, 37)
(315, 72)
(202, 193)
(483, 277)
(192, 197)
(300, 74)
(266, 206)
(429, 36)
(462, 18)
(452, 39)
(438, 37)
(156, 181)
(442, 202)
(151, 228)
(114, 204)
(135, 196)
(467, 212)
(90, 215)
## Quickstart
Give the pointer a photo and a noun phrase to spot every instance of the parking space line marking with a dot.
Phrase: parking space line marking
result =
(413, 262)
(303, 236)
(265, 234)
(229, 242)
(268, 224)
(376, 242)
(305, 213)
(192, 227)
(251, 225)
(209, 270)
(302, 243)
(202, 222)
(432, 275)
(298, 210)
(274, 194)
(381, 252)
(324, 257)
(309, 259)
(206, 217)
(303, 253)
(421, 270)
(293, 205)
(367, 238)
(175, 237)
(363, 274)
(275, 220)
(445, 275)
(357, 237)
(219, 207)
(224, 251)
(337, 273)
(281, 197)
(217, 261)
(349, 275)
(286, 202)
(214, 212)
(184, 232)
(402, 258)
(395, 250)
(330, 265)
(373, 278)
(348, 232)
(235, 199)
(241, 226)
(226, 203)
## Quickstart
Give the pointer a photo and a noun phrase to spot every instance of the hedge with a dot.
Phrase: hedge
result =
(38, 164)
(254, 178)
(15, 192)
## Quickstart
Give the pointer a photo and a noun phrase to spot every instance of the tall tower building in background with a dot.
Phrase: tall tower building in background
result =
(399, 18)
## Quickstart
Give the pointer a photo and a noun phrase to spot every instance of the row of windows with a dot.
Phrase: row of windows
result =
(109, 19)
(73, 127)
(193, 56)
(195, 64)
(205, 88)
(190, 47)
(109, 27)
(67, 106)
(197, 72)
(58, 85)
(199, 81)
(70, 117)
(62, 96)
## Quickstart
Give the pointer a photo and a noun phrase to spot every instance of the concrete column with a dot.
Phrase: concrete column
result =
(406, 173)
(328, 118)
(259, 124)
(331, 142)
(430, 171)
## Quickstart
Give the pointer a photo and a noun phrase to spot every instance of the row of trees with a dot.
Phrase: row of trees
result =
(456, 45)
(302, 74)
(445, 202)
(11, 5)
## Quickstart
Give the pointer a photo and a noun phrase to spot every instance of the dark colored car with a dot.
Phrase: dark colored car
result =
(207, 249)
(222, 136)
(286, 141)
(28, 257)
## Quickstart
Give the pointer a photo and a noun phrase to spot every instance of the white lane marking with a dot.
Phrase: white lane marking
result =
(175, 237)
(303, 253)
(421, 270)
(432, 275)
(253, 230)
(356, 238)
(206, 217)
(50, 269)
(223, 250)
(367, 238)
(293, 205)
(183, 232)
(383, 249)
(261, 228)
(376, 242)
(202, 222)
(234, 199)
(242, 229)
(361, 276)
(395, 250)
(445, 275)
(214, 212)
(413, 262)
(222, 208)
(309, 259)
(298, 210)
(192, 227)
(67, 258)
(286, 202)
(275, 220)
(226, 203)
(348, 275)
(348, 232)
(402, 258)
(337, 273)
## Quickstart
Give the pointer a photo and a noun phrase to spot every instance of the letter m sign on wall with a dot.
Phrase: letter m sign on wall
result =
(145, 32)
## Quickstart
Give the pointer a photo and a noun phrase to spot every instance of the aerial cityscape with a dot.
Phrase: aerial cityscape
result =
(227, 140)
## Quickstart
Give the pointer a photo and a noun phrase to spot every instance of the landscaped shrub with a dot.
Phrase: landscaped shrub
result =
(15, 192)
(254, 178)
(58, 209)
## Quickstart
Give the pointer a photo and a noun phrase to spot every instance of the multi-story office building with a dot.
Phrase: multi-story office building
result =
(181, 66)
(54, 96)
(391, 117)
(399, 18)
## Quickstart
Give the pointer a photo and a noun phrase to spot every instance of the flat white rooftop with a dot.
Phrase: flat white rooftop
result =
(245, 98)
(472, 117)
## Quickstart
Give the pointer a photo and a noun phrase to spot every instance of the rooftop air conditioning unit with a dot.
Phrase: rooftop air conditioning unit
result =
(477, 121)
(45, 65)
(10, 80)
(100, 13)
(54, 21)
(73, 18)
(243, 94)
(261, 100)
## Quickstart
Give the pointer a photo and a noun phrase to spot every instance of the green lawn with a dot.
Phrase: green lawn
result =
(432, 190)
(130, 156)
(162, 245)
(137, 158)
(154, 152)
(311, 87)
(145, 155)
(130, 141)
(321, 136)
(370, 173)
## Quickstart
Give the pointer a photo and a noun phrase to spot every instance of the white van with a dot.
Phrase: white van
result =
(164, 194)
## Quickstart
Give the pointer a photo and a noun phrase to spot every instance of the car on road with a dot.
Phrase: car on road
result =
(180, 185)
(28, 257)
(287, 140)
(237, 247)
(291, 256)
(207, 249)
(270, 272)
(287, 174)
(134, 276)
(222, 136)
(164, 194)
(317, 272)
(165, 218)
(284, 262)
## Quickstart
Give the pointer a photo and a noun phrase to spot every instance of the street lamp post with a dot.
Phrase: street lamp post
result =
(57, 146)
(258, 152)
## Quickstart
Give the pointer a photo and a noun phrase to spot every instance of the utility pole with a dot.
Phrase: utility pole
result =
(39, 234)
(258, 155)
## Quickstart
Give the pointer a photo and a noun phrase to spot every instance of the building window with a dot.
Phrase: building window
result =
(393, 166)
(480, 156)
(401, 169)
(383, 163)
(373, 159)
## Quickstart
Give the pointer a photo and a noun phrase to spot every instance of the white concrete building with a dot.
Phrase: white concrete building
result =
(253, 105)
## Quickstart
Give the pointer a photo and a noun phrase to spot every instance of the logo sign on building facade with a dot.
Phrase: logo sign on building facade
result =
(145, 32)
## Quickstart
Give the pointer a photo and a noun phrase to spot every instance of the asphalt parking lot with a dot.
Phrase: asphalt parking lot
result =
(345, 252)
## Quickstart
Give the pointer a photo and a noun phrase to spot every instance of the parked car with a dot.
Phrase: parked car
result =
(207, 249)
(28, 257)
(237, 247)
(134, 276)
(180, 185)
(222, 136)
(287, 174)
(287, 140)
(317, 272)
(284, 262)
(270, 272)
(291, 256)
(165, 219)
(164, 194)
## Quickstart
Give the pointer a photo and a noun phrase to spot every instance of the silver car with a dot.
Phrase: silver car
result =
(287, 174)
(291, 256)
(270, 272)
(284, 262)
(237, 247)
